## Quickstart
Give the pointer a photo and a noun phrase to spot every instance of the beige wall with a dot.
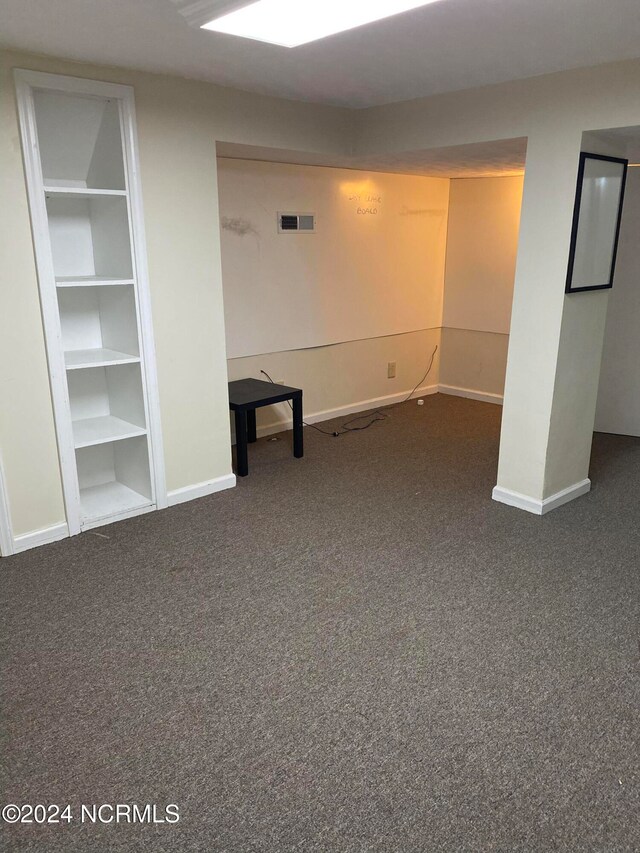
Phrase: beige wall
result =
(618, 408)
(482, 244)
(474, 363)
(604, 96)
(373, 267)
(27, 436)
(555, 343)
(271, 280)
(327, 312)
(179, 122)
(344, 377)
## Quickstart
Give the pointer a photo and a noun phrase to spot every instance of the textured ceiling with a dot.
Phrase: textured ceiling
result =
(487, 159)
(448, 45)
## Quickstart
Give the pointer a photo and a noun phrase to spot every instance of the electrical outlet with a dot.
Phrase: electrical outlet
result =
(279, 381)
(391, 370)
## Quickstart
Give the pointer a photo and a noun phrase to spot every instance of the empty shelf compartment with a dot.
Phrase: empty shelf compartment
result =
(80, 140)
(89, 236)
(99, 325)
(114, 479)
(107, 404)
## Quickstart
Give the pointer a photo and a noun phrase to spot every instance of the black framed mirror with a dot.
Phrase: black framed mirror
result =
(596, 222)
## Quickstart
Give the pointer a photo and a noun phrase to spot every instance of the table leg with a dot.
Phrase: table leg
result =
(298, 445)
(242, 460)
(251, 425)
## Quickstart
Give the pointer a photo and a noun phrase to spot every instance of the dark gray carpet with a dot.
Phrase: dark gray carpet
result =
(358, 651)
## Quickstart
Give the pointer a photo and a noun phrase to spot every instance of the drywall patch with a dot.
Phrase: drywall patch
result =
(237, 225)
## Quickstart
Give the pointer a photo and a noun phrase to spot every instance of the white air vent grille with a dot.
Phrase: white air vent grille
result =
(296, 223)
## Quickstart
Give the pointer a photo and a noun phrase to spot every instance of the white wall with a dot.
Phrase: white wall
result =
(618, 408)
(482, 243)
(328, 311)
(374, 267)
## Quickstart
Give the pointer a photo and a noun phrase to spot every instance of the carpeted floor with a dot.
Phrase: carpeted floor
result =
(357, 651)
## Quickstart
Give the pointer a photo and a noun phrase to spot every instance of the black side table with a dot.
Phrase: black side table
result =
(247, 395)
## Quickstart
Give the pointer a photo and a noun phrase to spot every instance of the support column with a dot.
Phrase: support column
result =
(555, 344)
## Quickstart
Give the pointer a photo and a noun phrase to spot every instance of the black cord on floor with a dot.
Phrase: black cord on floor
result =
(370, 417)
(313, 426)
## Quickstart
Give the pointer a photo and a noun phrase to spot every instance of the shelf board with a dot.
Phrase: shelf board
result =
(80, 192)
(92, 431)
(110, 499)
(91, 281)
(80, 359)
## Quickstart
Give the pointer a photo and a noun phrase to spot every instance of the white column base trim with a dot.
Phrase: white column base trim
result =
(541, 507)
(483, 396)
(341, 411)
(26, 541)
(200, 490)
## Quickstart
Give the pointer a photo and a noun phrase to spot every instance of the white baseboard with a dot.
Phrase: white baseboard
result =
(343, 411)
(61, 531)
(520, 501)
(201, 490)
(365, 405)
(537, 506)
(40, 537)
(483, 396)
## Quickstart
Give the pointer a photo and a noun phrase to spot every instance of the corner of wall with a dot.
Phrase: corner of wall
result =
(6, 532)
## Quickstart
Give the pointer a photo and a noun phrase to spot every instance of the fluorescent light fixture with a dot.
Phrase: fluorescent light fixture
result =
(290, 23)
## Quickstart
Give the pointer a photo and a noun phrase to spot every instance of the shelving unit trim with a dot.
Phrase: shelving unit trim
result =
(90, 503)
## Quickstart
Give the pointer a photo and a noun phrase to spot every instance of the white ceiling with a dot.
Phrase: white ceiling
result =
(625, 139)
(448, 45)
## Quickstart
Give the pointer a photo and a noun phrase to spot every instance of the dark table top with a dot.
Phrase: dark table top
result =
(247, 393)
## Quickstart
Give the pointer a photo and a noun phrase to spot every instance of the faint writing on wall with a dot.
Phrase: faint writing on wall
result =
(423, 211)
(367, 204)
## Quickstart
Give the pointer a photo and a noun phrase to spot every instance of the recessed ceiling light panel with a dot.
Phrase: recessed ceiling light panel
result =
(290, 23)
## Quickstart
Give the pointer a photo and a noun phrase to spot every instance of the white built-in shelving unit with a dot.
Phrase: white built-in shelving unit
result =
(80, 155)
